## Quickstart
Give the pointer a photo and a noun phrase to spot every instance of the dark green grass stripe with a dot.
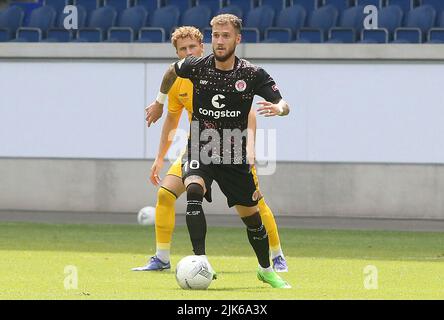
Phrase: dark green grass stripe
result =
(382, 245)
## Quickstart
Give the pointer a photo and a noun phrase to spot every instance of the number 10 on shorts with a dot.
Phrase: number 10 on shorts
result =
(193, 164)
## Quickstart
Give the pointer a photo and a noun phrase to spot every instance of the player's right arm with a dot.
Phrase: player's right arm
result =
(169, 126)
(154, 111)
(175, 108)
(183, 68)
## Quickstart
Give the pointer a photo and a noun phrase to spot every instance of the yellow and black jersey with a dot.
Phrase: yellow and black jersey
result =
(181, 97)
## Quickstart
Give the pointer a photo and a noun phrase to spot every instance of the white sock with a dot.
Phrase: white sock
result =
(163, 255)
(276, 253)
(269, 269)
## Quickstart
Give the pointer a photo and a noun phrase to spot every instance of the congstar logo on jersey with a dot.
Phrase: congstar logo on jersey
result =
(218, 102)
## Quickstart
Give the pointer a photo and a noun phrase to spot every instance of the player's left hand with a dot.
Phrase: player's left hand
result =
(155, 169)
(268, 109)
(153, 112)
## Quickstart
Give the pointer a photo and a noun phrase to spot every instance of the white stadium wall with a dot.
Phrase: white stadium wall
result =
(341, 111)
(363, 139)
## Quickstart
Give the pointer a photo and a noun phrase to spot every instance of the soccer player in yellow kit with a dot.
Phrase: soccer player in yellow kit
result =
(188, 41)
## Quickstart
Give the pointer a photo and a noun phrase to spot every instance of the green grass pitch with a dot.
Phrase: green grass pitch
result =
(324, 264)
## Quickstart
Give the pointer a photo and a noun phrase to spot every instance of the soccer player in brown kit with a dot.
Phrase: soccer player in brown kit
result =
(223, 90)
(187, 40)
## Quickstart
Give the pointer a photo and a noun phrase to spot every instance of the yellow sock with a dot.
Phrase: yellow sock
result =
(165, 219)
(270, 225)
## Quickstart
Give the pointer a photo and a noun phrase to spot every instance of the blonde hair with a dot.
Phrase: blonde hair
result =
(226, 18)
(186, 32)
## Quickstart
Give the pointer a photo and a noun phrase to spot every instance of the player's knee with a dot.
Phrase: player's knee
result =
(195, 190)
(253, 221)
(165, 197)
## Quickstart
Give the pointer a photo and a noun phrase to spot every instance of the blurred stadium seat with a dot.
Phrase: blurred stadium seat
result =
(323, 19)
(151, 35)
(233, 9)
(250, 35)
(214, 5)
(438, 5)
(278, 35)
(120, 34)
(405, 5)
(28, 35)
(309, 35)
(118, 5)
(341, 5)
(276, 20)
(27, 8)
(289, 19)
(5, 35)
(260, 18)
(376, 3)
(408, 35)
(341, 35)
(244, 5)
(422, 17)
(207, 35)
(198, 17)
(308, 5)
(440, 22)
(42, 18)
(57, 5)
(436, 35)
(182, 5)
(277, 5)
(166, 18)
(374, 36)
(101, 19)
(89, 35)
(11, 19)
(59, 35)
(149, 5)
(353, 18)
(89, 5)
(390, 18)
(293, 17)
(134, 18)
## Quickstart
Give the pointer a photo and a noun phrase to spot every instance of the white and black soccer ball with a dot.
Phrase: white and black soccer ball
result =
(193, 272)
(146, 216)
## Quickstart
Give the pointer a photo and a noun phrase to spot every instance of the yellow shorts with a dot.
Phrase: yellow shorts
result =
(176, 168)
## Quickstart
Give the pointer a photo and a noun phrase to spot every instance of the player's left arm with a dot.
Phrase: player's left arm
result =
(270, 109)
(273, 105)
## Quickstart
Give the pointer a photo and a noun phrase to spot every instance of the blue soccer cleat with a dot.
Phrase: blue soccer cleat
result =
(155, 264)
(279, 264)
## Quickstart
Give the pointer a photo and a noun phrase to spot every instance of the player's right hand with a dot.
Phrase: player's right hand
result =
(153, 112)
(155, 169)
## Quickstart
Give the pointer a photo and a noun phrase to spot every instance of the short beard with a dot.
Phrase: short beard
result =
(225, 57)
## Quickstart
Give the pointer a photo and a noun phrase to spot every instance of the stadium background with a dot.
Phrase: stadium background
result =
(364, 137)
